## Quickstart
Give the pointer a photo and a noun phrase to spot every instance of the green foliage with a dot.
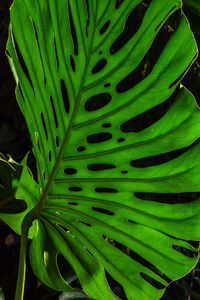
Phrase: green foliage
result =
(115, 137)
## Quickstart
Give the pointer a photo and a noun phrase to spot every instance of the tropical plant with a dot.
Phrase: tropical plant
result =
(115, 137)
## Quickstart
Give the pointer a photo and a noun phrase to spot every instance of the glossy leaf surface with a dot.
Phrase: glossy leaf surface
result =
(115, 139)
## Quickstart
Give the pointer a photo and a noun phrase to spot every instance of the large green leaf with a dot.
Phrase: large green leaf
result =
(107, 115)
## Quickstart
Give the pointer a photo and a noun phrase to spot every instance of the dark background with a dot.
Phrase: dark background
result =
(14, 140)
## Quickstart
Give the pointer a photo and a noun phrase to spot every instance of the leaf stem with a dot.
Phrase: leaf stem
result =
(19, 294)
(27, 222)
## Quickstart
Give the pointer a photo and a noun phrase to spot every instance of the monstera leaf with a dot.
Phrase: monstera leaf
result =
(115, 138)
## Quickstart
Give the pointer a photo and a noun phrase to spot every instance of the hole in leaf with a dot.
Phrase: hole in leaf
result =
(160, 158)
(184, 251)
(99, 167)
(115, 287)
(73, 30)
(99, 66)
(80, 149)
(104, 27)
(105, 190)
(105, 237)
(106, 85)
(63, 227)
(103, 211)
(88, 20)
(44, 125)
(120, 140)
(150, 116)
(59, 213)
(97, 101)
(72, 63)
(70, 171)
(118, 3)
(124, 172)
(131, 221)
(65, 96)
(56, 53)
(86, 28)
(44, 176)
(149, 60)
(106, 125)
(22, 64)
(72, 203)
(66, 230)
(100, 52)
(74, 188)
(170, 198)
(54, 112)
(50, 156)
(132, 24)
(194, 244)
(57, 141)
(98, 137)
(158, 285)
(87, 224)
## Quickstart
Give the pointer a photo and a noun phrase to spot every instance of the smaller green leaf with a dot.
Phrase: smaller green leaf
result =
(9, 170)
(18, 192)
